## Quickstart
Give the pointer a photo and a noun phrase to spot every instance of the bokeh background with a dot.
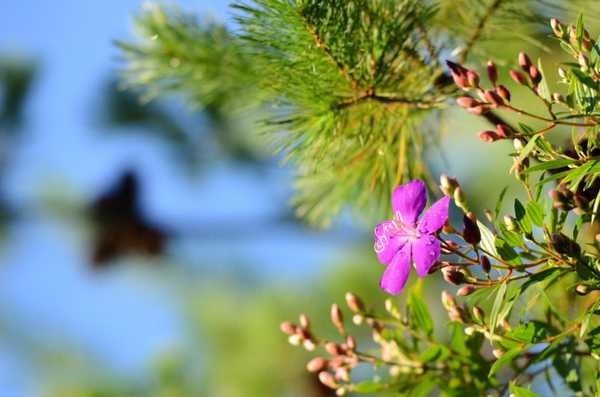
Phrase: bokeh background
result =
(148, 250)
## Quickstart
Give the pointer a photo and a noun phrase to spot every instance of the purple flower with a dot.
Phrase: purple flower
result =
(402, 238)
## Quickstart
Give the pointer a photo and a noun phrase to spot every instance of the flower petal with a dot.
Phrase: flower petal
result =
(435, 217)
(386, 243)
(408, 201)
(425, 252)
(396, 273)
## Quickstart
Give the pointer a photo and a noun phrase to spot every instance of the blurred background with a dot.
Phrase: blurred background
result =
(147, 249)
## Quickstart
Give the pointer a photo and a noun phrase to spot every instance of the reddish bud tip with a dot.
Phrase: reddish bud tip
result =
(557, 27)
(518, 77)
(287, 328)
(466, 102)
(485, 263)
(535, 75)
(492, 72)
(503, 92)
(473, 78)
(317, 364)
(471, 232)
(503, 131)
(477, 110)
(466, 290)
(489, 136)
(524, 61)
(327, 379)
(493, 98)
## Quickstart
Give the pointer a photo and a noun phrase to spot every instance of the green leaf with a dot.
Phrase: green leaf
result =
(506, 358)
(544, 275)
(528, 148)
(432, 353)
(522, 392)
(535, 212)
(497, 306)
(419, 314)
(499, 202)
(550, 165)
(507, 252)
(487, 239)
(369, 386)
(531, 332)
(543, 89)
(522, 218)
(512, 238)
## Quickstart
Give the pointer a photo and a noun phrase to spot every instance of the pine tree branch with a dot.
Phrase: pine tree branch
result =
(479, 29)
(321, 45)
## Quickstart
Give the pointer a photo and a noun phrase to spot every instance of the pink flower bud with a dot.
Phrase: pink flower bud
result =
(492, 72)
(317, 364)
(333, 349)
(337, 319)
(453, 275)
(466, 290)
(535, 75)
(503, 131)
(287, 328)
(583, 61)
(582, 289)
(477, 110)
(489, 136)
(557, 27)
(327, 379)
(473, 78)
(503, 92)
(354, 303)
(350, 342)
(493, 98)
(524, 61)
(304, 321)
(518, 77)
(448, 300)
(466, 102)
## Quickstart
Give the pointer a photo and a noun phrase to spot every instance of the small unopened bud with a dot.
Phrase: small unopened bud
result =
(573, 34)
(309, 345)
(341, 391)
(524, 61)
(535, 75)
(562, 73)
(466, 290)
(489, 136)
(582, 289)
(448, 185)
(357, 319)
(498, 353)
(510, 223)
(558, 98)
(557, 28)
(337, 318)
(342, 374)
(466, 102)
(518, 77)
(488, 214)
(518, 144)
(317, 364)
(583, 61)
(448, 300)
(354, 303)
(350, 342)
(494, 99)
(327, 379)
(295, 340)
(503, 131)
(477, 110)
(459, 75)
(492, 72)
(477, 314)
(485, 263)
(471, 232)
(453, 275)
(469, 331)
(503, 92)
(287, 328)
(459, 198)
(597, 237)
(304, 321)
(456, 314)
(333, 349)
(391, 308)
(473, 78)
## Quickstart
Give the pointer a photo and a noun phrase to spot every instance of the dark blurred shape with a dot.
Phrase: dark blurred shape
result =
(121, 228)
(16, 77)
(15, 83)
(317, 389)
